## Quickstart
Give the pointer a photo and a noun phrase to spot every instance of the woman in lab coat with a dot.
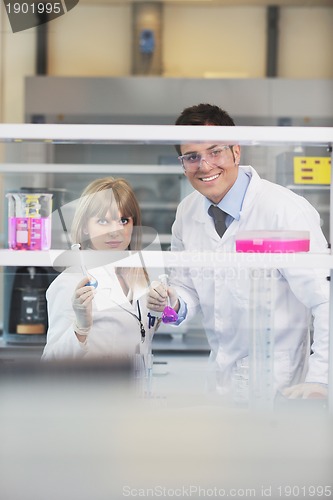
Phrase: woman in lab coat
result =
(111, 320)
(222, 294)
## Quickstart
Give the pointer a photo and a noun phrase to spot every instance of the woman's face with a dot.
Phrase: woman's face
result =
(109, 233)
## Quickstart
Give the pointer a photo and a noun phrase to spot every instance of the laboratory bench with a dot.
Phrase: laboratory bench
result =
(165, 343)
(173, 352)
(85, 439)
(179, 379)
(19, 353)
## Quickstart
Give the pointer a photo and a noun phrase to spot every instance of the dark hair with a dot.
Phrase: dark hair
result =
(203, 114)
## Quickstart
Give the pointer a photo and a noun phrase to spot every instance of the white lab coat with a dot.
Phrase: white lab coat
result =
(222, 294)
(116, 329)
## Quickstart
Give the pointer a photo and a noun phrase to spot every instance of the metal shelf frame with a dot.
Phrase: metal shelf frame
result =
(164, 134)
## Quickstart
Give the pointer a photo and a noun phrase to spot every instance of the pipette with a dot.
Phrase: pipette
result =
(169, 315)
(92, 281)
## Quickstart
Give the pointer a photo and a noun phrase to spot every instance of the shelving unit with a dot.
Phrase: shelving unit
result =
(313, 194)
(157, 215)
(174, 259)
(306, 172)
(147, 188)
(155, 135)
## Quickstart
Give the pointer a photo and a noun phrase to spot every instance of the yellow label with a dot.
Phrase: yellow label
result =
(312, 170)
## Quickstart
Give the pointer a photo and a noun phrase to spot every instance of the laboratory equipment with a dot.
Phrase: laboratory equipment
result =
(261, 340)
(25, 311)
(29, 220)
(76, 247)
(169, 315)
(143, 372)
(261, 386)
(273, 241)
(307, 171)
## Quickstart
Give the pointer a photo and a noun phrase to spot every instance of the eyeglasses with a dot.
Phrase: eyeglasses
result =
(214, 157)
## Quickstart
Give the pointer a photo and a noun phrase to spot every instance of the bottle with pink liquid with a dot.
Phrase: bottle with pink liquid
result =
(29, 221)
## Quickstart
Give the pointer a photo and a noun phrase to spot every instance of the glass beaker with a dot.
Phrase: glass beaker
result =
(263, 283)
(29, 220)
(261, 339)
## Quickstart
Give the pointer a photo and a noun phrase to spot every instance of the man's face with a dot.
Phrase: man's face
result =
(212, 169)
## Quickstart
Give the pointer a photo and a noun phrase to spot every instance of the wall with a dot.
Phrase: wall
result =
(149, 99)
(18, 61)
(91, 41)
(306, 42)
(215, 41)
(211, 41)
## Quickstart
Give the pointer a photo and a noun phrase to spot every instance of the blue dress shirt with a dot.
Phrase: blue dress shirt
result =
(232, 202)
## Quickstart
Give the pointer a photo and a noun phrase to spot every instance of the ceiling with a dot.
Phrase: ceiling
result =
(233, 3)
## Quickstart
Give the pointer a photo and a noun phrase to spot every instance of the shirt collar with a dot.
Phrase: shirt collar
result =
(232, 202)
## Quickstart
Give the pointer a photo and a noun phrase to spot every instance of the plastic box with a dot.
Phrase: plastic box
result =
(273, 241)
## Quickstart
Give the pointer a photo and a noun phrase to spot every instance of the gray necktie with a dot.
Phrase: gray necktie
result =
(219, 219)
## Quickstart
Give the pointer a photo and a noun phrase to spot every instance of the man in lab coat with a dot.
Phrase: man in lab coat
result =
(222, 295)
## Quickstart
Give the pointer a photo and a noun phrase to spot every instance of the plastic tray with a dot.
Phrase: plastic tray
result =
(273, 241)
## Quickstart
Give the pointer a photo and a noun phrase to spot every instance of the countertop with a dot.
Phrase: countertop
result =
(86, 437)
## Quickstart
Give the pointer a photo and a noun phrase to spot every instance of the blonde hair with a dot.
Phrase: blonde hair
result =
(99, 197)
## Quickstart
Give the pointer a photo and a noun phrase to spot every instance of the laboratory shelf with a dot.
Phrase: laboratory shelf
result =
(169, 259)
(307, 187)
(157, 206)
(167, 134)
(25, 258)
(88, 168)
(163, 342)
(10, 353)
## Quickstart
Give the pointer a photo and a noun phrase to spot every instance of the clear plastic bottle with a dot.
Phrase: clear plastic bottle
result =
(29, 221)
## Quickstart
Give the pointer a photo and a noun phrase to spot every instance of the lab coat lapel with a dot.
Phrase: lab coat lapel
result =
(208, 227)
(204, 223)
(109, 290)
(252, 190)
(251, 193)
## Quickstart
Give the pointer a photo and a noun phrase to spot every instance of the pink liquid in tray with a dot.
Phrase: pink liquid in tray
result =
(273, 245)
(29, 233)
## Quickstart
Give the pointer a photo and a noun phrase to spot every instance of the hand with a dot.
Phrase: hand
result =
(306, 391)
(82, 306)
(158, 295)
